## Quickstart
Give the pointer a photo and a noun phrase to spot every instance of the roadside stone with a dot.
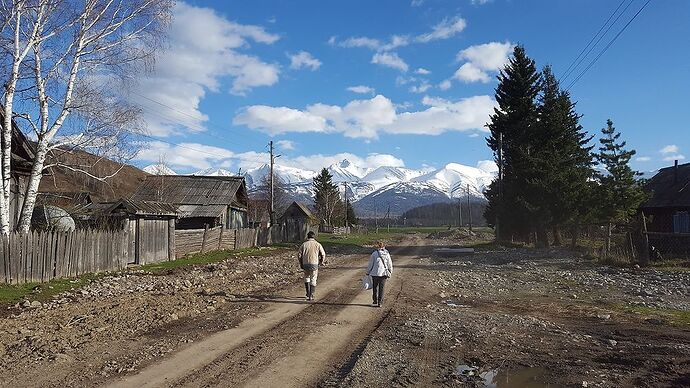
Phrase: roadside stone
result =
(36, 304)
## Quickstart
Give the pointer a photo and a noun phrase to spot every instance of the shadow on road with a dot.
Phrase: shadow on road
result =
(289, 299)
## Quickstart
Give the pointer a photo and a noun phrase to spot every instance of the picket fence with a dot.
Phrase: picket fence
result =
(43, 256)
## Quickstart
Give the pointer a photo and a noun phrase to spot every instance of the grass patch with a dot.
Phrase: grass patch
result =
(359, 240)
(679, 317)
(673, 265)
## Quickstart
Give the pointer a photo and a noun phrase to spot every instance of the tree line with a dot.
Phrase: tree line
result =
(445, 213)
(551, 175)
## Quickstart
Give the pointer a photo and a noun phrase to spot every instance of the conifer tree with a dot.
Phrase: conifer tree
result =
(327, 200)
(620, 191)
(515, 119)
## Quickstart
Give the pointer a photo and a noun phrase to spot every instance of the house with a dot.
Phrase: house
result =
(200, 200)
(667, 210)
(23, 155)
(296, 222)
(148, 226)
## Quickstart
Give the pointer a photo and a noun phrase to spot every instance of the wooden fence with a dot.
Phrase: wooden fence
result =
(42, 256)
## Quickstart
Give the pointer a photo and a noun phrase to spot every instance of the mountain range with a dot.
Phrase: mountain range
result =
(375, 191)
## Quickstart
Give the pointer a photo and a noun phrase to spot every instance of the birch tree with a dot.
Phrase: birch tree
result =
(64, 66)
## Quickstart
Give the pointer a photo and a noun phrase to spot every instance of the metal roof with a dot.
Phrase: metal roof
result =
(130, 207)
(670, 187)
(193, 190)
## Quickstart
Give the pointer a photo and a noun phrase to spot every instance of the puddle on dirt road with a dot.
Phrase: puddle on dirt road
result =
(495, 378)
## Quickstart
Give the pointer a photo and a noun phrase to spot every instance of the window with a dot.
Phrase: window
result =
(681, 222)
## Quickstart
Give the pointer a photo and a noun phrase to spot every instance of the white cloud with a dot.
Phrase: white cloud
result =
(482, 60)
(367, 118)
(421, 88)
(304, 59)
(445, 85)
(480, 2)
(643, 159)
(671, 152)
(416, 3)
(422, 71)
(183, 155)
(319, 161)
(286, 145)
(670, 149)
(203, 50)
(391, 60)
(447, 28)
(468, 72)
(361, 89)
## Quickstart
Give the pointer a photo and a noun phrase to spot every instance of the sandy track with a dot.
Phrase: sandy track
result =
(292, 342)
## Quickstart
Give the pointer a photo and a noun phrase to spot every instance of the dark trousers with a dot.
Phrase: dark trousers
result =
(378, 282)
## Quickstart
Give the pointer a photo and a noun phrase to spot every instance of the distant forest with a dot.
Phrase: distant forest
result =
(445, 213)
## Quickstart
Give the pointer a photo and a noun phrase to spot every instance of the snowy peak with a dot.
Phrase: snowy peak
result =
(159, 169)
(345, 171)
(454, 178)
(214, 172)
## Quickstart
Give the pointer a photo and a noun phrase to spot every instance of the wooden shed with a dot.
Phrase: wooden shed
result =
(667, 210)
(23, 155)
(150, 227)
(296, 222)
(201, 201)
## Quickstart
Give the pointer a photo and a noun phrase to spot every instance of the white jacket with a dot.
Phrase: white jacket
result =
(376, 265)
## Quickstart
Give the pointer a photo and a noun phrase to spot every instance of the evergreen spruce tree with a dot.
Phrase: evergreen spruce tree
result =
(562, 164)
(327, 200)
(516, 119)
(620, 191)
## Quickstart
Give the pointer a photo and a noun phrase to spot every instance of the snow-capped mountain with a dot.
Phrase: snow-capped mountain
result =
(159, 169)
(373, 190)
(214, 172)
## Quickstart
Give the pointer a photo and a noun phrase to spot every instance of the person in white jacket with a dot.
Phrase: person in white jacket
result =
(380, 268)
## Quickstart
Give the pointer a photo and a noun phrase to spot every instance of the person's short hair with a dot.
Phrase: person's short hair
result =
(380, 244)
(310, 234)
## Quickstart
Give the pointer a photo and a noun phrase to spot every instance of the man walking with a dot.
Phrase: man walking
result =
(310, 255)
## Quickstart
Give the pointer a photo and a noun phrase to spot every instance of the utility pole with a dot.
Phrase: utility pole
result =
(270, 211)
(388, 217)
(469, 209)
(459, 212)
(500, 185)
(346, 207)
(376, 216)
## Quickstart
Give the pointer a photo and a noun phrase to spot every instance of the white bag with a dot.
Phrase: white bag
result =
(366, 282)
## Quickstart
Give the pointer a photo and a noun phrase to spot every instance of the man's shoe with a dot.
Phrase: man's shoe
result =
(307, 288)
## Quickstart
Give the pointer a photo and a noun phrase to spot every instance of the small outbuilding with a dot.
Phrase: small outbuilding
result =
(201, 201)
(296, 222)
(667, 210)
(149, 227)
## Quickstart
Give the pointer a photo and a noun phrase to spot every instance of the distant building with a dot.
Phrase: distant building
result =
(668, 208)
(200, 200)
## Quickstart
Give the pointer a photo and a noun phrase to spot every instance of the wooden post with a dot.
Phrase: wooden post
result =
(203, 240)
(171, 239)
(220, 237)
(644, 257)
(235, 247)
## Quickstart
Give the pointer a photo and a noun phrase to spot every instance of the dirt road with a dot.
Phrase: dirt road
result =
(498, 318)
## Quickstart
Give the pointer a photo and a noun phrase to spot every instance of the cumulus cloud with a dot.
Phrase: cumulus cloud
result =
(367, 118)
(421, 88)
(416, 3)
(445, 85)
(204, 49)
(286, 145)
(304, 60)
(671, 152)
(183, 155)
(391, 60)
(643, 159)
(481, 61)
(361, 89)
(422, 71)
(480, 2)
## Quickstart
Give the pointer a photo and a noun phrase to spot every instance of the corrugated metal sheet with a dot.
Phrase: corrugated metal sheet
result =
(669, 188)
(191, 190)
(201, 210)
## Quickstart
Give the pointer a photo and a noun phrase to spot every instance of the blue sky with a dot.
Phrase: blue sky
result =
(400, 82)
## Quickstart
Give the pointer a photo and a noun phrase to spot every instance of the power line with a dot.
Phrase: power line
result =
(567, 71)
(608, 45)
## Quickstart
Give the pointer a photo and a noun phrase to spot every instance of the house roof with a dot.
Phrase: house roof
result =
(670, 187)
(193, 190)
(297, 207)
(129, 206)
